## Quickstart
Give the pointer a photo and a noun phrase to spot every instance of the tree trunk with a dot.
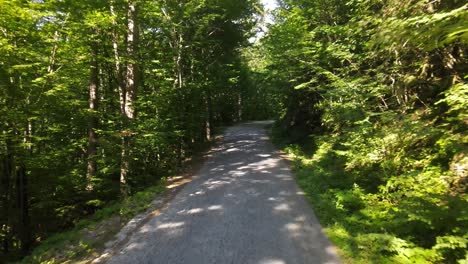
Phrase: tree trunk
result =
(125, 166)
(131, 77)
(93, 119)
(209, 117)
(131, 84)
(178, 84)
(117, 64)
(7, 175)
(239, 107)
(24, 230)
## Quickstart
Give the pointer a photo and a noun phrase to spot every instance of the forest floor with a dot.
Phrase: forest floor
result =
(243, 206)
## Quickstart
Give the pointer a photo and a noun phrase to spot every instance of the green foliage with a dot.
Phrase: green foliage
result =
(88, 236)
(373, 98)
(62, 157)
(426, 31)
(140, 201)
(410, 218)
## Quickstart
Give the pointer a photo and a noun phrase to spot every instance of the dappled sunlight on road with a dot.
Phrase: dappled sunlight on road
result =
(170, 225)
(272, 261)
(243, 206)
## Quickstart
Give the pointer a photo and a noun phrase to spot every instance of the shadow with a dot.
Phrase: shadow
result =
(243, 206)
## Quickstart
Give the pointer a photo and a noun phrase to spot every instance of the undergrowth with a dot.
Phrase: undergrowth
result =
(389, 192)
(87, 239)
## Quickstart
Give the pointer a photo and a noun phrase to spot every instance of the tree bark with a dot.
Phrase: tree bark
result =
(178, 84)
(209, 117)
(23, 206)
(93, 119)
(131, 84)
(117, 61)
(7, 175)
(239, 107)
(132, 67)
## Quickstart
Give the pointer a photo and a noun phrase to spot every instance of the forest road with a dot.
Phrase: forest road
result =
(242, 207)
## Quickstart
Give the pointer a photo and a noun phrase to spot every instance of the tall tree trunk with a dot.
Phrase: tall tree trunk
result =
(131, 84)
(23, 206)
(131, 77)
(93, 119)
(24, 231)
(239, 107)
(209, 116)
(178, 84)
(7, 175)
(178, 45)
(117, 63)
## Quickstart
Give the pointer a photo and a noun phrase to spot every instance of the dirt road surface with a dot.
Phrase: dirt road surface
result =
(243, 207)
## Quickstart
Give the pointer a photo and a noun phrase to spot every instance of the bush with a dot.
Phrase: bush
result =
(387, 195)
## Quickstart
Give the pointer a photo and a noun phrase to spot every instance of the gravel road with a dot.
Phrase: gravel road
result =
(242, 207)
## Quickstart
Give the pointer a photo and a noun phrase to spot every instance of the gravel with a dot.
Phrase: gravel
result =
(243, 206)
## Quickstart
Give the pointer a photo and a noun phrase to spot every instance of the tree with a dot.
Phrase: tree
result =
(93, 119)
(74, 133)
(131, 86)
(371, 88)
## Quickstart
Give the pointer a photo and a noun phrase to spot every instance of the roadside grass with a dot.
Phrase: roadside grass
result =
(86, 240)
(410, 218)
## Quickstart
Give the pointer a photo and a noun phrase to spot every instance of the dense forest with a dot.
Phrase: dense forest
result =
(373, 106)
(102, 99)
